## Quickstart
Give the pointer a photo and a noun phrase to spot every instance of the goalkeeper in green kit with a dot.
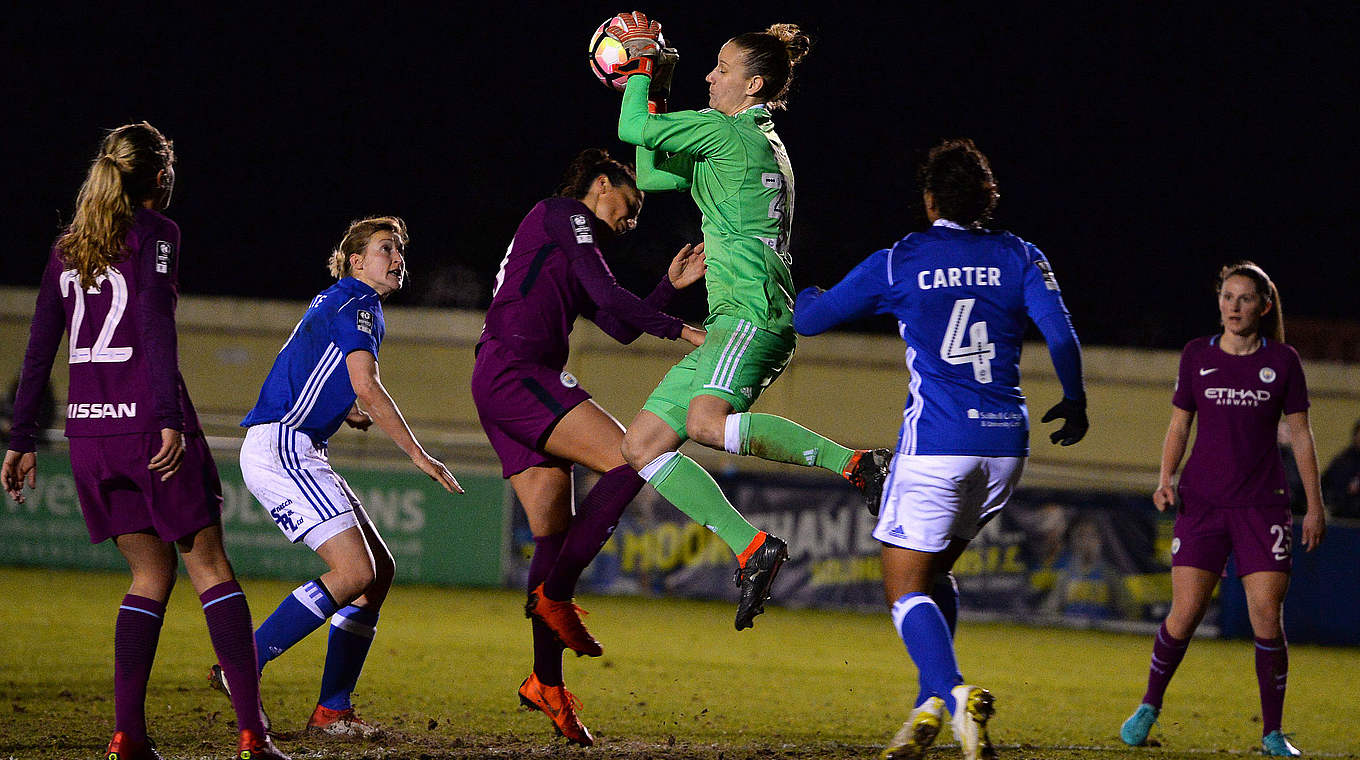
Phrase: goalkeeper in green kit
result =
(736, 169)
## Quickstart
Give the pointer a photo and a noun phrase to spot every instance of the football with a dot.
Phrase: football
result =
(606, 54)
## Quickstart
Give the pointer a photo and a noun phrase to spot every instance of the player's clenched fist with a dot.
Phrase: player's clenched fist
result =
(638, 34)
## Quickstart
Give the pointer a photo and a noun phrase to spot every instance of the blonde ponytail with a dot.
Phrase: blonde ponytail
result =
(122, 176)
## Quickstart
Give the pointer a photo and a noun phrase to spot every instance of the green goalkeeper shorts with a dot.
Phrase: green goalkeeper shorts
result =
(736, 363)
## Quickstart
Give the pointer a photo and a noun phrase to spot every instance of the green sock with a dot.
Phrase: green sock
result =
(780, 440)
(693, 491)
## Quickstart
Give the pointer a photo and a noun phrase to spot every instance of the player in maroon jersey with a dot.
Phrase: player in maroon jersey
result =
(539, 419)
(1232, 497)
(143, 472)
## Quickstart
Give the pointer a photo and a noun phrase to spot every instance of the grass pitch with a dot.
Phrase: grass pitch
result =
(676, 681)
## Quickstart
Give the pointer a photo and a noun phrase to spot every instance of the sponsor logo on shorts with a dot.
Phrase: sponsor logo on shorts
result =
(162, 257)
(580, 226)
(364, 321)
(747, 392)
(100, 411)
(568, 380)
(1236, 396)
(897, 532)
(1267, 375)
(1175, 545)
(285, 517)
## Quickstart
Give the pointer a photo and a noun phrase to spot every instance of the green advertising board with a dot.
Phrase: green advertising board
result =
(434, 536)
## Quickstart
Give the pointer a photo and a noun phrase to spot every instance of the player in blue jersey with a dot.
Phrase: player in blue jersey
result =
(961, 294)
(329, 361)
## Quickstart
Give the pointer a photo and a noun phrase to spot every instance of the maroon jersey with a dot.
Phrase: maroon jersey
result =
(553, 273)
(123, 359)
(1238, 400)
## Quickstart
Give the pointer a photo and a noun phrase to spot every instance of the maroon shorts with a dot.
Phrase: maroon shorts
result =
(118, 494)
(1259, 538)
(518, 403)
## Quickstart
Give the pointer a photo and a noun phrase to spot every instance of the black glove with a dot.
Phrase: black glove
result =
(1075, 425)
(662, 74)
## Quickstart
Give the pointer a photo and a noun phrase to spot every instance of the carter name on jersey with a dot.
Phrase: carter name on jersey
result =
(958, 277)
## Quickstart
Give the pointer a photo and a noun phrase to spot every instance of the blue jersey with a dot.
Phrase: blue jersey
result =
(308, 388)
(961, 298)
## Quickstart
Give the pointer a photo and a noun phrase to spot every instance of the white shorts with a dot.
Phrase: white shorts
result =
(295, 483)
(931, 498)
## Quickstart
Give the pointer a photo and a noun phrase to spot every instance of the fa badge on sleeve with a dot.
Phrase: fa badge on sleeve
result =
(162, 257)
(581, 227)
(364, 321)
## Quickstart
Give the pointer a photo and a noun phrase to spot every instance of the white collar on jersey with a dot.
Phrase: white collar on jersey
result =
(762, 106)
(949, 224)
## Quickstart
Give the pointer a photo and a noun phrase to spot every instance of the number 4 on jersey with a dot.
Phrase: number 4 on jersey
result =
(979, 352)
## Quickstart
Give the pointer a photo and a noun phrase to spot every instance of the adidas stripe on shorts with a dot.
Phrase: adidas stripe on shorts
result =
(736, 363)
(294, 482)
(931, 498)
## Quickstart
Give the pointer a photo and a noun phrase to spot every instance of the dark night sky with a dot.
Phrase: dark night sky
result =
(1139, 145)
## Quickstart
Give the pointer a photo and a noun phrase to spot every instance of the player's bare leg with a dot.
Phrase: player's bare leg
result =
(1265, 607)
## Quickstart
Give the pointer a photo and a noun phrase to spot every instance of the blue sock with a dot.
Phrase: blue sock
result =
(300, 613)
(945, 592)
(922, 628)
(352, 631)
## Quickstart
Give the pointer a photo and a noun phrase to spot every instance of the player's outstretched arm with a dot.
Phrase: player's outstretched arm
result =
(20, 469)
(363, 376)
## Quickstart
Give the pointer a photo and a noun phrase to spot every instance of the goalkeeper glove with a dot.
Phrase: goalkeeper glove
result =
(663, 72)
(639, 35)
(1073, 414)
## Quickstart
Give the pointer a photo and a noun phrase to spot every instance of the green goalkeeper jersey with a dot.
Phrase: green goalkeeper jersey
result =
(738, 173)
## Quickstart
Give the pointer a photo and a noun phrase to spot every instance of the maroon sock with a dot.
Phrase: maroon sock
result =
(547, 649)
(1167, 653)
(134, 648)
(595, 521)
(233, 639)
(1272, 671)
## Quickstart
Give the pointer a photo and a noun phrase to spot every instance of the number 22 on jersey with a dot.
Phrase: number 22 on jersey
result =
(978, 351)
(102, 351)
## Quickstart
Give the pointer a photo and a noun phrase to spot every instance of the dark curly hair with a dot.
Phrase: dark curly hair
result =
(771, 55)
(959, 179)
(589, 164)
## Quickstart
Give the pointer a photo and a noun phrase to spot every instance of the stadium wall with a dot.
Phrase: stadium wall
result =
(850, 387)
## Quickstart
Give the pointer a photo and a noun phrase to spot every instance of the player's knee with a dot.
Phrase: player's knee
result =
(384, 571)
(705, 427)
(635, 452)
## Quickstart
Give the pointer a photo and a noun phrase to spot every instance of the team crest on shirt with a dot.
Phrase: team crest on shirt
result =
(1175, 545)
(568, 380)
(581, 226)
(364, 321)
(1046, 271)
(1267, 375)
(162, 257)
